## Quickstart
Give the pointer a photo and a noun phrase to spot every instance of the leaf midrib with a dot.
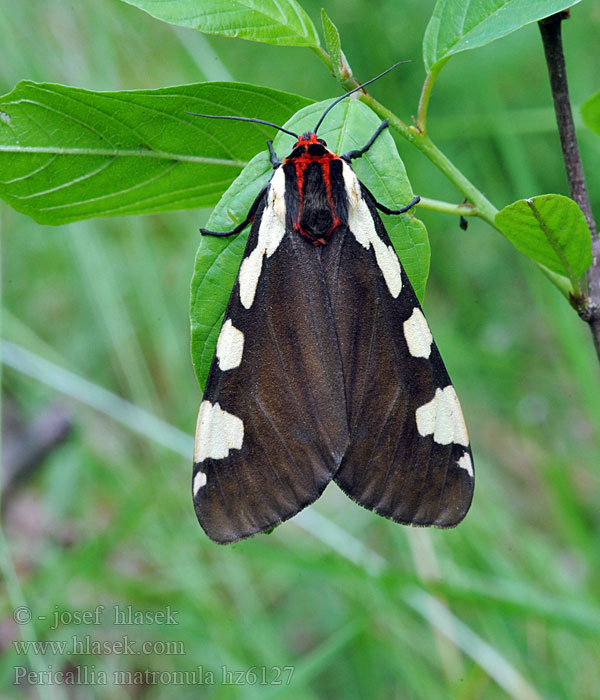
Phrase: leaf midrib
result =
(553, 241)
(127, 153)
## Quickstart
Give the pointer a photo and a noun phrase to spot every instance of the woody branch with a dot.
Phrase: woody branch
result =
(550, 28)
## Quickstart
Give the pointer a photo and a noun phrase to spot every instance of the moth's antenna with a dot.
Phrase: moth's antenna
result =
(356, 89)
(247, 119)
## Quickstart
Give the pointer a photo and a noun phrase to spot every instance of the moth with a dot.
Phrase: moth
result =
(325, 367)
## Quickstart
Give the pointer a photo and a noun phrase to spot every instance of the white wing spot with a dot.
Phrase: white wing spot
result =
(270, 233)
(199, 482)
(417, 334)
(249, 274)
(230, 346)
(465, 463)
(442, 417)
(362, 226)
(217, 432)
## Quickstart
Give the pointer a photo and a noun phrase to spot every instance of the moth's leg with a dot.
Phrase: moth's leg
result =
(357, 154)
(245, 222)
(383, 208)
(275, 162)
(386, 210)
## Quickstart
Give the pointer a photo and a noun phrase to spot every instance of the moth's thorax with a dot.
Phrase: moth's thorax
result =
(316, 198)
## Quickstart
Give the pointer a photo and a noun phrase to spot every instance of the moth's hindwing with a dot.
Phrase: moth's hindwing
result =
(409, 457)
(272, 426)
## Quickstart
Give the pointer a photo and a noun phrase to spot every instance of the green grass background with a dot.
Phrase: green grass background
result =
(507, 604)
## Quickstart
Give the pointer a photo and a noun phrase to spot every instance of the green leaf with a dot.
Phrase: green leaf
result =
(68, 154)
(552, 230)
(334, 45)
(590, 111)
(281, 22)
(218, 261)
(348, 126)
(459, 25)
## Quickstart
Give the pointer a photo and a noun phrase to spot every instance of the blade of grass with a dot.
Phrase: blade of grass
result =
(37, 662)
(201, 52)
(340, 541)
(128, 414)
(316, 660)
(483, 653)
(11, 580)
(425, 563)
(102, 285)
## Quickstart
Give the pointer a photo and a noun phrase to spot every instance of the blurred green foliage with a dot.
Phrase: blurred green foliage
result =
(108, 519)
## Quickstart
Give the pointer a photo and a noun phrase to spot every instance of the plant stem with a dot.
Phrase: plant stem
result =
(324, 56)
(477, 203)
(550, 28)
(425, 95)
(485, 209)
(448, 207)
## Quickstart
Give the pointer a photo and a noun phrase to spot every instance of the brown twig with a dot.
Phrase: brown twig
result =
(550, 28)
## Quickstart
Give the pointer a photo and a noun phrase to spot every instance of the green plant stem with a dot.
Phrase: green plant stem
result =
(477, 203)
(425, 95)
(349, 83)
(448, 207)
(485, 209)
(418, 138)
(325, 57)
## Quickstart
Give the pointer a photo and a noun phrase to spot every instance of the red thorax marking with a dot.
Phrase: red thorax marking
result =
(300, 163)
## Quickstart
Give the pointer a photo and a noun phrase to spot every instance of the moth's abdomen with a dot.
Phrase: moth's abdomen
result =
(316, 224)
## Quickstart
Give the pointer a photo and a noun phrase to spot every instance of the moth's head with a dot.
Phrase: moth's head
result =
(309, 144)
